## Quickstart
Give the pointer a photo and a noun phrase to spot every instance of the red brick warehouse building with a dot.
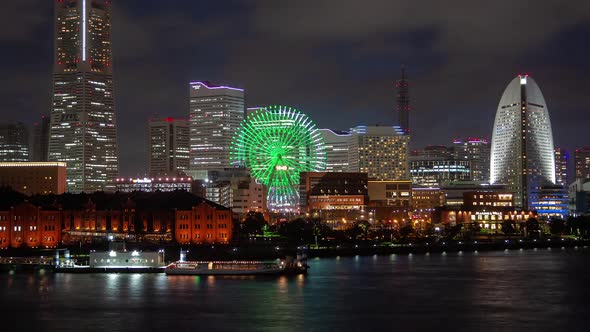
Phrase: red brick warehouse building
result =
(48, 221)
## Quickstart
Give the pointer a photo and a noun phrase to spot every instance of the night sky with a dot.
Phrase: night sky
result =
(335, 60)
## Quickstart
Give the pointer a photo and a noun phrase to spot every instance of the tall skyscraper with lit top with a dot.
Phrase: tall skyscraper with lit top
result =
(215, 114)
(522, 154)
(83, 126)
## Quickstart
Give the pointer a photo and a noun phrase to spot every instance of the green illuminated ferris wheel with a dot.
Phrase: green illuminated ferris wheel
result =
(277, 143)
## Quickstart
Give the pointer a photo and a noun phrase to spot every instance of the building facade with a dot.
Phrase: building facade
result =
(215, 114)
(168, 146)
(522, 154)
(31, 178)
(582, 163)
(477, 151)
(27, 225)
(337, 147)
(14, 142)
(381, 152)
(403, 102)
(434, 172)
(562, 159)
(40, 146)
(390, 193)
(203, 224)
(71, 219)
(488, 209)
(164, 184)
(332, 191)
(427, 198)
(552, 201)
(83, 129)
(579, 194)
(234, 188)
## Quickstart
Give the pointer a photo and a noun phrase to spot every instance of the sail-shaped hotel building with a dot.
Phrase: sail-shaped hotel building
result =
(522, 156)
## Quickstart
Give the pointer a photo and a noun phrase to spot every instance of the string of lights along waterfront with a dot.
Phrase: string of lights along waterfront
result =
(83, 120)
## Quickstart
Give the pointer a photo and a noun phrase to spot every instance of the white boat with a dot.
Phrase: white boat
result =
(226, 268)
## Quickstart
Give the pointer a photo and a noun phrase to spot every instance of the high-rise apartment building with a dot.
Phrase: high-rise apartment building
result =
(582, 163)
(337, 146)
(83, 126)
(477, 152)
(562, 158)
(14, 142)
(168, 146)
(40, 147)
(522, 154)
(381, 152)
(215, 114)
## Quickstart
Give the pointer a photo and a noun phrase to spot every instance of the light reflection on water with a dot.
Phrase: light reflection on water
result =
(516, 290)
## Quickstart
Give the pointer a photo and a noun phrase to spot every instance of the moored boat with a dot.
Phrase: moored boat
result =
(287, 266)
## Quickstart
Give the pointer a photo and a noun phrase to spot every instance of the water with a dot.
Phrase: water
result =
(515, 290)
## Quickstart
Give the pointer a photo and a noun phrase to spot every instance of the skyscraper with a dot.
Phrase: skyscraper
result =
(562, 158)
(522, 143)
(83, 126)
(215, 114)
(403, 101)
(169, 146)
(14, 142)
(40, 147)
(381, 152)
(337, 147)
(582, 163)
(477, 151)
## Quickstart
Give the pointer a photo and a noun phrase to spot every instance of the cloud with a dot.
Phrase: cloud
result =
(21, 19)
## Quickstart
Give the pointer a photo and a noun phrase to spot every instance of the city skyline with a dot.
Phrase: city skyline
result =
(353, 76)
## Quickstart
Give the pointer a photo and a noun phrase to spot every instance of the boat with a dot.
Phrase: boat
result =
(287, 266)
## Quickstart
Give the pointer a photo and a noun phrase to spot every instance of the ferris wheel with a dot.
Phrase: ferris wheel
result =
(277, 143)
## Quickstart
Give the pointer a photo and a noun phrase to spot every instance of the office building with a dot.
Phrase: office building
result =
(40, 146)
(455, 191)
(582, 163)
(579, 193)
(234, 188)
(14, 142)
(522, 154)
(32, 178)
(336, 143)
(168, 146)
(381, 152)
(215, 113)
(562, 159)
(390, 193)
(436, 152)
(477, 152)
(83, 129)
(332, 191)
(434, 172)
(403, 102)
(427, 198)
(551, 201)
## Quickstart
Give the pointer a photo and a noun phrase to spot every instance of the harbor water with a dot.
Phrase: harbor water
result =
(515, 290)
